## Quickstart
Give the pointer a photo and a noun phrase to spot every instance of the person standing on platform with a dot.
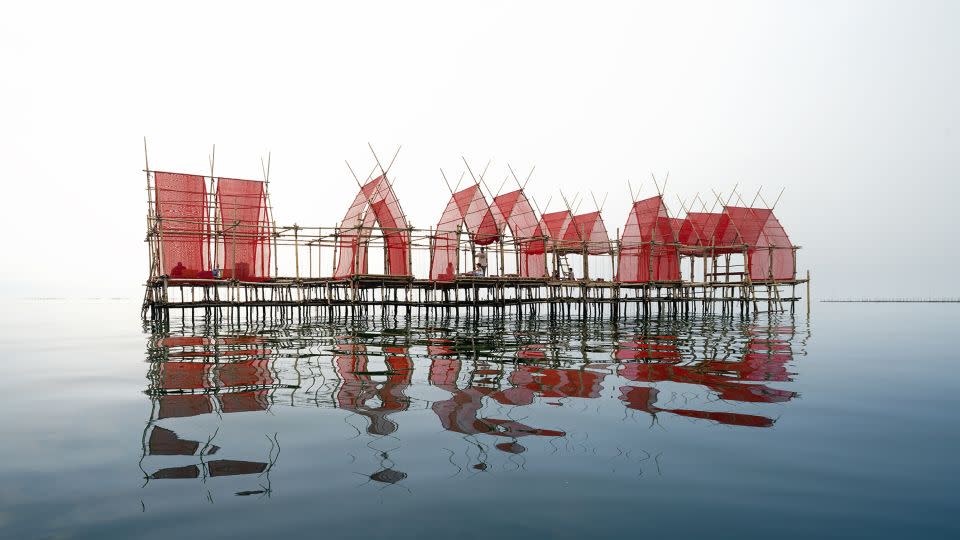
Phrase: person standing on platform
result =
(482, 262)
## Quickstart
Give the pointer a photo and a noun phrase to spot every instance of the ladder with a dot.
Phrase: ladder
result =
(568, 271)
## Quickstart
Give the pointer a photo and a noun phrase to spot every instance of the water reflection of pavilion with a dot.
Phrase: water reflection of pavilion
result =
(488, 381)
(195, 375)
(656, 359)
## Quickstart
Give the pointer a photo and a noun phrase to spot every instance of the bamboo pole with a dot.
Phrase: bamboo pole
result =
(586, 262)
(210, 203)
(269, 213)
(336, 245)
(502, 247)
(153, 248)
(410, 251)
(296, 250)
(431, 241)
(233, 265)
(615, 260)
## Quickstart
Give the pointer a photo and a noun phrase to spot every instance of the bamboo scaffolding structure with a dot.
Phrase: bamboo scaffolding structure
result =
(361, 291)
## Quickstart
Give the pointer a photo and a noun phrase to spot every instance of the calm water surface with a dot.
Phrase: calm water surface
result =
(844, 425)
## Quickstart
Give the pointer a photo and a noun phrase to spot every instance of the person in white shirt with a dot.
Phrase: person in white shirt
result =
(482, 262)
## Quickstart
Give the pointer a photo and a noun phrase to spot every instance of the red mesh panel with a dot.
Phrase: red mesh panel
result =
(554, 227)
(502, 207)
(746, 225)
(244, 229)
(687, 235)
(783, 264)
(469, 208)
(586, 228)
(444, 255)
(769, 250)
(352, 259)
(709, 227)
(375, 203)
(514, 209)
(647, 252)
(181, 206)
(675, 225)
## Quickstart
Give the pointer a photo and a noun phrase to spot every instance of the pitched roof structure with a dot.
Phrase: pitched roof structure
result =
(554, 226)
(769, 251)
(586, 229)
(467, 209)
(512, 210)
(376, 203)
(647, 250)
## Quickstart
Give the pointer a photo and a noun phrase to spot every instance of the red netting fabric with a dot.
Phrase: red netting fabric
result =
(587, 228)
(554, 227)
(710, 228)
(746, 225)
(181, 206)
(647, 251)
(686, 235)
(468, 208)
(514, 209)
(244, 229)
(774, 257)
(375, 203)
(769, 251)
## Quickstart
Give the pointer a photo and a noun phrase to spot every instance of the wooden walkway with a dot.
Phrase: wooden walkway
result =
(363, 295)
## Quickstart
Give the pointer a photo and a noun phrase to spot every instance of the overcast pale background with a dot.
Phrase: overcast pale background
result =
(852, 106)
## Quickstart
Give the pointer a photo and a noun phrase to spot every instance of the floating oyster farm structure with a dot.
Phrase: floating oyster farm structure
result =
(215, 246)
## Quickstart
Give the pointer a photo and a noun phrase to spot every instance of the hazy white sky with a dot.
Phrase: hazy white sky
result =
(852, 106)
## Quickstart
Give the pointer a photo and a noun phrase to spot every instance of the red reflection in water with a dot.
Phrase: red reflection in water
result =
(440, 347)
(183, 405)
(226, 353)
(233, 467)
(245, 373)
(177, 473)
(219, 467)
(531, 352)
(251, 401)
(195, 341)
(642, 398)
(459, 414)
(648, 348)
(358, 388)
(164, 442)
(549, 382)
(725, 386)
(182, 341)
(184, 375)
(444, 373)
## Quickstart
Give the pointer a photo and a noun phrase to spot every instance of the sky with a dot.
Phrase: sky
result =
(851, 107)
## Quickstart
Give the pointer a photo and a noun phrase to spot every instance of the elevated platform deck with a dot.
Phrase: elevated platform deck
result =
(403, 293)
